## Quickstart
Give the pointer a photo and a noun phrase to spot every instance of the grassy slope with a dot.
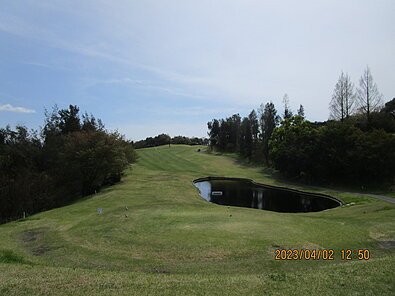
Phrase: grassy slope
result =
(174, 242)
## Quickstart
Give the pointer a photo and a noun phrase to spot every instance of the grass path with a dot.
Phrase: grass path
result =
(173, 242)
(382, 197)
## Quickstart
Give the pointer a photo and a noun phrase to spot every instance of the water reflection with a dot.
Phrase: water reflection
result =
(245, 193)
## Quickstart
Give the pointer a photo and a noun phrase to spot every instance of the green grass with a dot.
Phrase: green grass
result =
(175, 243)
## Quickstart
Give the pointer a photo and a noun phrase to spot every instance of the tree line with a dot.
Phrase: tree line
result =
(164, 139)
(72, 156)
(354, 146)
(365, 100)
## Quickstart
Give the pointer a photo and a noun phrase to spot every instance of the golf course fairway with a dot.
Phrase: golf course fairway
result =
(157, 236)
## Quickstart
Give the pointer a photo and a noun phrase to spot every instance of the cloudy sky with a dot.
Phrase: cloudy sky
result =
(149, 67)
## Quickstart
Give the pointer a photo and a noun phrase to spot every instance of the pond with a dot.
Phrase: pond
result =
(247, 193)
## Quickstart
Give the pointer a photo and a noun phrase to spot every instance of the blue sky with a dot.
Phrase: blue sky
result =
(147, 67)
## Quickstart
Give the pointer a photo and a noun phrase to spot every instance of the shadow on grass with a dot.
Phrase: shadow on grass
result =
(8, 256)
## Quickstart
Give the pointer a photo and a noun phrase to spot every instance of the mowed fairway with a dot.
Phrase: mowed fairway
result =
(172, 242)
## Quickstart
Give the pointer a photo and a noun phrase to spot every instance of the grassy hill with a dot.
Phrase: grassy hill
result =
(172, 242)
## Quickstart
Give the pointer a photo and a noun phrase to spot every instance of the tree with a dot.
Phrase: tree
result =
(268, 120)
(245, 141)
(162, 139)
(228, 133)
(213, 132)
(89, 123)
(69, 120)
(64, 121)
(253, 118)
(389, 108)
(301, 111)
(368, 96)
(72, 158)
(92, 159)
(293, 147)
(336, 151)
(385, 119)
(343, 98)
(234, 132)
(287, 110)
(254, 125)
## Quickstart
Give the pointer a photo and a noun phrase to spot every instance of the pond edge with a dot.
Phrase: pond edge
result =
(341, 203)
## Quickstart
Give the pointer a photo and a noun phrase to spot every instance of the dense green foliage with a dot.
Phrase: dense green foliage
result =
(248, 136)
(356, 149)
(74, 156)
(335, 152)
(164, 139)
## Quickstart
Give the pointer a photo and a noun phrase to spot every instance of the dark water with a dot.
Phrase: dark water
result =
(245, 193)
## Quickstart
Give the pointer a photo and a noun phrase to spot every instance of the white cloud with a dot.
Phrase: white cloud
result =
(148, 85)
(8, 107)
(123, 80)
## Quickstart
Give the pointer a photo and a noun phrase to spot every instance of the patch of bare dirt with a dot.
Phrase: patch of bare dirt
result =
(387, 244)
(40, 251)
(31, 236)
(277, 246)
(160, 271)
